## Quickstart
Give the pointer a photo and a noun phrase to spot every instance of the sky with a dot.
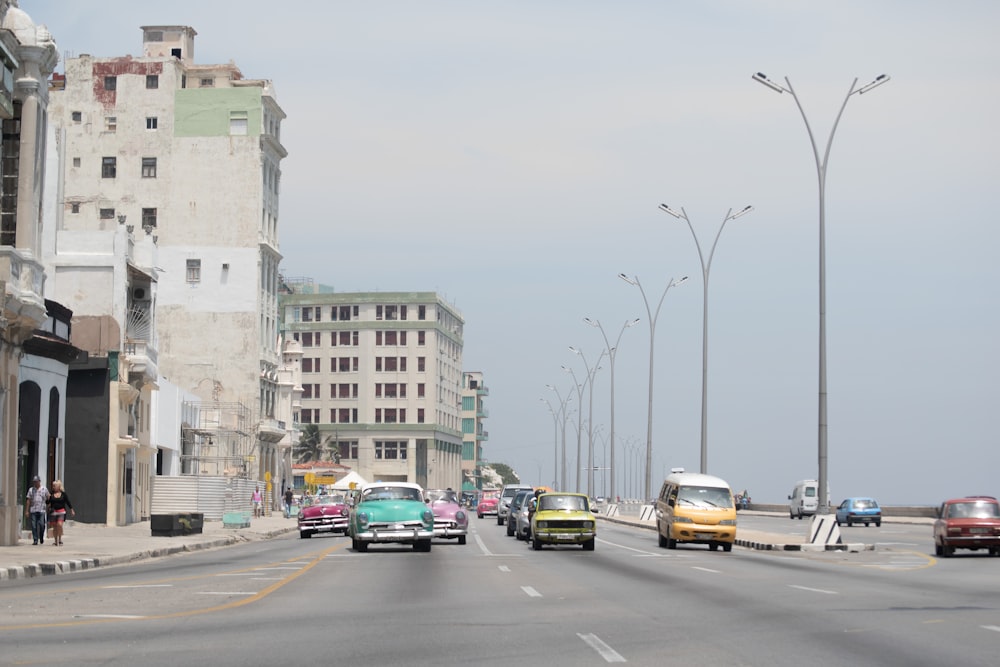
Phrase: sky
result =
(511, 156)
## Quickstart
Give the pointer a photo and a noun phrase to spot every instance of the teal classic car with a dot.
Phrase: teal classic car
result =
(563, 518)
(391, 512)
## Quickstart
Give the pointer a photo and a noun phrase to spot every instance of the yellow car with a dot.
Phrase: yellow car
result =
(563, 518)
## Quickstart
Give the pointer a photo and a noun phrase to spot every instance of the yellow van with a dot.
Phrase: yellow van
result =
(696, 509)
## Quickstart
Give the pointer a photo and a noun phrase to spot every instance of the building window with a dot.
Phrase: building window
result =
(420, 415)
(402, 364)
(152, 81)
(149, 167)
(238, 123)
(106, 213)
(111, 123)
(402, 312)
(149, 218)
(421, 338)
(420, 389)
(77, 116)
(74, 208)
(109, 167)
(194, 276)
(421, 312)
(421, 364)
(348, 448)
(76, 162)
(110, 83)
(390, 450)
(207, 83)
(150, 122)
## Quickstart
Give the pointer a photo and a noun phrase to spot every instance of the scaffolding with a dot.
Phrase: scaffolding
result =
(219, 442)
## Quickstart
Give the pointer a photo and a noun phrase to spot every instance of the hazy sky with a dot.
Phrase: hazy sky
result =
(511, 156)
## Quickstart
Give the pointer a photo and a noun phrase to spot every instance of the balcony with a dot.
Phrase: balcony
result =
(142, 359)
(271, 430)
(25, 277)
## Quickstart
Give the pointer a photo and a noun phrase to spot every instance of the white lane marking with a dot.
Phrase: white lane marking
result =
(706, 569)
(503, 568)
(266, 579)
(531, 591)
(813, 590)
(284, 567)
(482, 546)
(130, 616)
(142, 586)
(994, 628)
(227, 592)
(605, 651)
(640, 553)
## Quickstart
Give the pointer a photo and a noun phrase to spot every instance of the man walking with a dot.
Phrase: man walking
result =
(289, 499)
(35, 509)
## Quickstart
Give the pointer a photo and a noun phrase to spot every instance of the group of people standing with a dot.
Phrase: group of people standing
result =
(47, 507)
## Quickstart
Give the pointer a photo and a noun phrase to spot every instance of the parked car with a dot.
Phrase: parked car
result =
(323, 514)
(488, 502)
(515, 506)
(968, 523)
(859, 510)
(391, 512)
(507, 495)
(451, 521)
(563, 518)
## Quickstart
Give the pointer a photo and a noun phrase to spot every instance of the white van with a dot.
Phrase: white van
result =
(804, 500)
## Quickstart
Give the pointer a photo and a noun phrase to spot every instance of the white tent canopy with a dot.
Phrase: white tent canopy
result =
(344, 483)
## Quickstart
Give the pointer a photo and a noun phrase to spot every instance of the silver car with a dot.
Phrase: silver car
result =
(520, 498)
(522, 518)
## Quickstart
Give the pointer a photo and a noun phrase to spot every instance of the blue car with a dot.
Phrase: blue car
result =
(859, 510)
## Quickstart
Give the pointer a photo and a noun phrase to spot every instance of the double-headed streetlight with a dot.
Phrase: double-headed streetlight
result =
(821, 165)
(652, 340)
(612, 351)
(591, 372)
(563, 403)
(706, 267)
(579, 423)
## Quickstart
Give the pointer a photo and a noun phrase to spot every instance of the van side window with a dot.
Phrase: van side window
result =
(672, 498)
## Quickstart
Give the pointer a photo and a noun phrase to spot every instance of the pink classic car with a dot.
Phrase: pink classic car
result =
(327, 513)
(451, 521)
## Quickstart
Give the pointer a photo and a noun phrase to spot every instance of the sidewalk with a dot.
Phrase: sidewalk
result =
(86, 546)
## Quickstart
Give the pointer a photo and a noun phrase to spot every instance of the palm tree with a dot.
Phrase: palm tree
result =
(311, 445)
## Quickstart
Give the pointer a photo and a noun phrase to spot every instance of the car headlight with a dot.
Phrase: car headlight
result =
(301, 516)
(683, 519)
(728, 522)
(428, 517)
(362, 519)
(461, 517)
(543, 524)
(589, 525)
(344, 512)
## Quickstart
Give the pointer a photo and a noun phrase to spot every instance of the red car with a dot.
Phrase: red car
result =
(328, 513)
(488, 503)
(968, 523)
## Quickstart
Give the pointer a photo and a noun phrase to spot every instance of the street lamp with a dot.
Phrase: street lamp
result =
(561, 485)
(821, 165)
(652, 339)
(579, 423)
(612, 350)
(590, 416)
(706, 267)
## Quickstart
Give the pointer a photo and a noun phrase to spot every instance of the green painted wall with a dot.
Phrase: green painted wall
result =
(204, 112)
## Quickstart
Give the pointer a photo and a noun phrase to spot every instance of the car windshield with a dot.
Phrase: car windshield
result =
(324, 500)
(704, 496)
(442, 496)
(391, 493)
(555, 502)
(974, 511)
(490, 495)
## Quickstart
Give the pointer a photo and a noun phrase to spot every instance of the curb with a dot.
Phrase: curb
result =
(77, 565)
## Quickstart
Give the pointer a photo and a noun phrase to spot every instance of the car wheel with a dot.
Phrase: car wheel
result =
(499, 520)
(461, 539)
(661, 541)
(305, 534)
(422, 545)
(359, 546)
(947, 551)
(727, 546)
(589, 544)
(510, 529)
(866, 524)
(536, 544)
(839, 522)
(713, 546)
(479, 515)
(791, 515)
(671, 542)
(878, 524)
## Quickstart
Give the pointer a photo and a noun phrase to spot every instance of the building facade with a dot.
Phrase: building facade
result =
(185, 158)
(382, 380)
(474, 414)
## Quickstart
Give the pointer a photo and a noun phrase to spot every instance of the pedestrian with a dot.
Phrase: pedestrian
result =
(289, 499)
(35, 509)
(258, 501)
(58, 503)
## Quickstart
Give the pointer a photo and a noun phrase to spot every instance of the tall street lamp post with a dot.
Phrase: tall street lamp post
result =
(561, 486)
(555, 439)
(579, 423)
(706, 267)
(821, 165)
(612, 350)
(652, 339)
(591, 372)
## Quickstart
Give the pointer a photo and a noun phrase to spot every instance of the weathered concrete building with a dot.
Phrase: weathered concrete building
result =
(382, 379)
(474, 414)
(180, 162)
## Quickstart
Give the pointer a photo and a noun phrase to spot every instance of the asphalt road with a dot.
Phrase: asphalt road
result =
(494, 601)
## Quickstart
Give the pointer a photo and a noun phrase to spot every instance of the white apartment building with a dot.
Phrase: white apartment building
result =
(187, 156)
(382, 379)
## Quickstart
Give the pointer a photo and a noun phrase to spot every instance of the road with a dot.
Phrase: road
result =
(494, 601)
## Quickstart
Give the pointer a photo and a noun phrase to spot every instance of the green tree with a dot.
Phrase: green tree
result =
(506, 473)
(310, 446)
